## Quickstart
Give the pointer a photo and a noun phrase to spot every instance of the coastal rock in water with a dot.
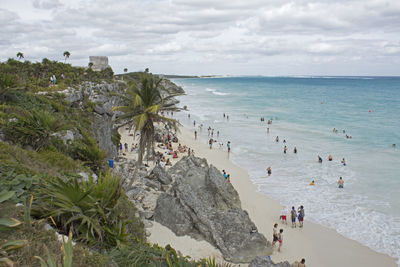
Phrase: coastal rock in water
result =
(263, 262)
(203, 202)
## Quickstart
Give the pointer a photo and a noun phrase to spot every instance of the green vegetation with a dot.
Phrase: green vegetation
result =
(40, 170)
(145, 107)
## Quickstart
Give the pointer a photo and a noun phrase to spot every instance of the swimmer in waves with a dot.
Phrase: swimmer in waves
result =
(343, 161)
(312, 182)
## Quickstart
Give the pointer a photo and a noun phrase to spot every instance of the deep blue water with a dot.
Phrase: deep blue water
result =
(304, 111)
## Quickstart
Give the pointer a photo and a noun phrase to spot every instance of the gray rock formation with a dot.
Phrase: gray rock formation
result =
(99, 62)
(104, 97)
(202, 204)
(263, 262)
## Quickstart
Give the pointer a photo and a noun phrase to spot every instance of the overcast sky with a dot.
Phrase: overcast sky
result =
(246, 37)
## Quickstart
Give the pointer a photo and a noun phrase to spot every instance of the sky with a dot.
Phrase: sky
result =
(209, 37)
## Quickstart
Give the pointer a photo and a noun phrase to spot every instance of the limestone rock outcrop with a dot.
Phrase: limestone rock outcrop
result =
(203, 204)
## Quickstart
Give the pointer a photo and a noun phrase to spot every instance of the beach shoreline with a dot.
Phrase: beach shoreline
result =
(319, 245)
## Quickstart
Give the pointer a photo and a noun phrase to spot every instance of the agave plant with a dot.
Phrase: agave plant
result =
(35, 128)
(84, 208)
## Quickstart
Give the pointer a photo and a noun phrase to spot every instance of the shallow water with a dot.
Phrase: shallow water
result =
(304, 110)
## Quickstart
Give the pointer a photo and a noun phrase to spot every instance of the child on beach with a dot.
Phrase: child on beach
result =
(283, 215)
(293, 215)
(229, 146)
(210, 143)
(280, 239)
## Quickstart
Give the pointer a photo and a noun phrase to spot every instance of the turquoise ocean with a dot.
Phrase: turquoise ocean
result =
(304, 111)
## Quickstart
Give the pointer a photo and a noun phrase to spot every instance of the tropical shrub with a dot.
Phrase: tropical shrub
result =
(84, 208)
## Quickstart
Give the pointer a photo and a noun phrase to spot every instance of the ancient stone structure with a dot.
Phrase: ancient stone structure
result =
(99, 62)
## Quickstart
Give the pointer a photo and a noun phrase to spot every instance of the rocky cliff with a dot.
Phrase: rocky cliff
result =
(193, 198)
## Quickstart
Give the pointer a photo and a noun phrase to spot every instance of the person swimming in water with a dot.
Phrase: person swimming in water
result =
(319, 159)
(277, 139)
(284, 149)
(340, 182)
(295, 150)
(330, 157)
(312, 182)
(343, 161)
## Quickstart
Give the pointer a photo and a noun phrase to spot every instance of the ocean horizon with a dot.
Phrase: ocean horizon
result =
(304, 110)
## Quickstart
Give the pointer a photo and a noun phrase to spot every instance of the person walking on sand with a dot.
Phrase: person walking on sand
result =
(280, 239)
(293, 215)
(340, 182)
(195, 135)
(301, 216)
(274, 234)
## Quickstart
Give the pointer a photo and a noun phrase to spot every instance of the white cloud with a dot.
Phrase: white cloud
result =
(225, 37)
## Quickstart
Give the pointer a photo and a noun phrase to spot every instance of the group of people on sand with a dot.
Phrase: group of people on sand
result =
(277, 236)
(123, 149)
(299, 215)
(168, 150)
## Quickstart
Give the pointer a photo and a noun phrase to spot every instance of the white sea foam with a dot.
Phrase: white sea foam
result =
(220, 93)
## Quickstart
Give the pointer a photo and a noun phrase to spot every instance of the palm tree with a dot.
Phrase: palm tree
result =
(20, 55)
(145, 104)
(90, 65)
(66, 55)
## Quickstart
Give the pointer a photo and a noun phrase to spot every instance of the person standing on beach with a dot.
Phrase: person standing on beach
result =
(229, 146)
(194, 123)
(210, 143)
(280, 239)
(217, 134)
(267, 130)
(283, 215)
(293, 215)
(195, 135)
(274, 234)
(301, 216)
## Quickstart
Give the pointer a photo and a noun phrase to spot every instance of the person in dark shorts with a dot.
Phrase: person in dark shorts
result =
(275, 234)
(293, 215)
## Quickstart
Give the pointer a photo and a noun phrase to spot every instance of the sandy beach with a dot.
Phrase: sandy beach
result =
(320, 246)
